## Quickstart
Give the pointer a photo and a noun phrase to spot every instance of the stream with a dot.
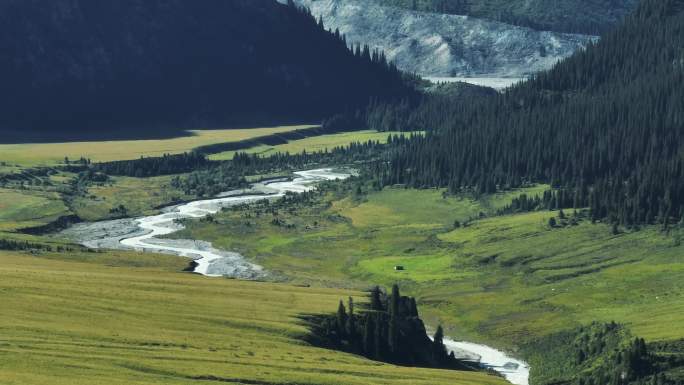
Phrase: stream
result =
(514, 371)
(142, 234)
(212, 262)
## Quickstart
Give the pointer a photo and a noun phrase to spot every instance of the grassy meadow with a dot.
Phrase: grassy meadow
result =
(83, 320)
(326, 243)
(502, 279)
(26, 208)
(140, 196)
(35, 154)
(46, 198)
(129, 318)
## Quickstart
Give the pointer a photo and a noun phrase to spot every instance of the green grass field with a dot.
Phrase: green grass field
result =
(80, 320)
(139, 196)
(32, 154)
(27, 208)
(312, 144)
(48, 198)
(502, 280)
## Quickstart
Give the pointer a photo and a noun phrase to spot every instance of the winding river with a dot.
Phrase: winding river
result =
(142, 234)
(209, 261)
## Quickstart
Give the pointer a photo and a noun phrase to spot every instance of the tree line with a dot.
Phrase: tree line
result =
(228, 175)
(154, 166)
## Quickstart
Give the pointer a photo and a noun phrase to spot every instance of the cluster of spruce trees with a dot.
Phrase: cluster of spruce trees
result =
(388, 329)
(633, 364)
(606, 126)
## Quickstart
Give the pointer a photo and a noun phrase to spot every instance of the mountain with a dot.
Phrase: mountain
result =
(445, 45)
(605, 126)
(150, 67)
(591, 17)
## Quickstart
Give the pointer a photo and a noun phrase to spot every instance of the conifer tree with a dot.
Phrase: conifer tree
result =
(438, 348)
(368, 336)
(341, 319)
(395, 299)
(377, 336)
(376, 302)
(393, 330)
(351, 323)
(413, 308)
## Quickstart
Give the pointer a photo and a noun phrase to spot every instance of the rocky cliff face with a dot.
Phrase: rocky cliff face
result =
(440, 45)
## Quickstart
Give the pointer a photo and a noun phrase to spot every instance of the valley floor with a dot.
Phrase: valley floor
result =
(507, 279)
(74, 316)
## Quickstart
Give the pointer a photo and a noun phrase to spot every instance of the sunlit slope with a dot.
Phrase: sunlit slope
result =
(50, 153)
(312, 144)
(68, 322)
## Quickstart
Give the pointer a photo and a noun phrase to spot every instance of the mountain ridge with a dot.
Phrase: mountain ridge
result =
(144, 66)
(444, 45)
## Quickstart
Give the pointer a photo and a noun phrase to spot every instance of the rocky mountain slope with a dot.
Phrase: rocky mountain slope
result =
(445, 45)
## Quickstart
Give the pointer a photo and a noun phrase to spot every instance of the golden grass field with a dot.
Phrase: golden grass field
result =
(312, 144)
(113, 319)
(50, 153)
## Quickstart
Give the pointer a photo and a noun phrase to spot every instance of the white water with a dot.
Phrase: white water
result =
(498, 84)
(205, 257)
(515, 371)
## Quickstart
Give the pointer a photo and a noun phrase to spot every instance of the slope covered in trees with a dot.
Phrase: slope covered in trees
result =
(100, 67)
(605, 126)
(604, 353)
(575, 16)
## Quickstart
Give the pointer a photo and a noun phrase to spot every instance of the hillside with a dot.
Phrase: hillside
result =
(590, 17)
(606, 125)
(102, 68)
(445, 45)
(134, 319)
